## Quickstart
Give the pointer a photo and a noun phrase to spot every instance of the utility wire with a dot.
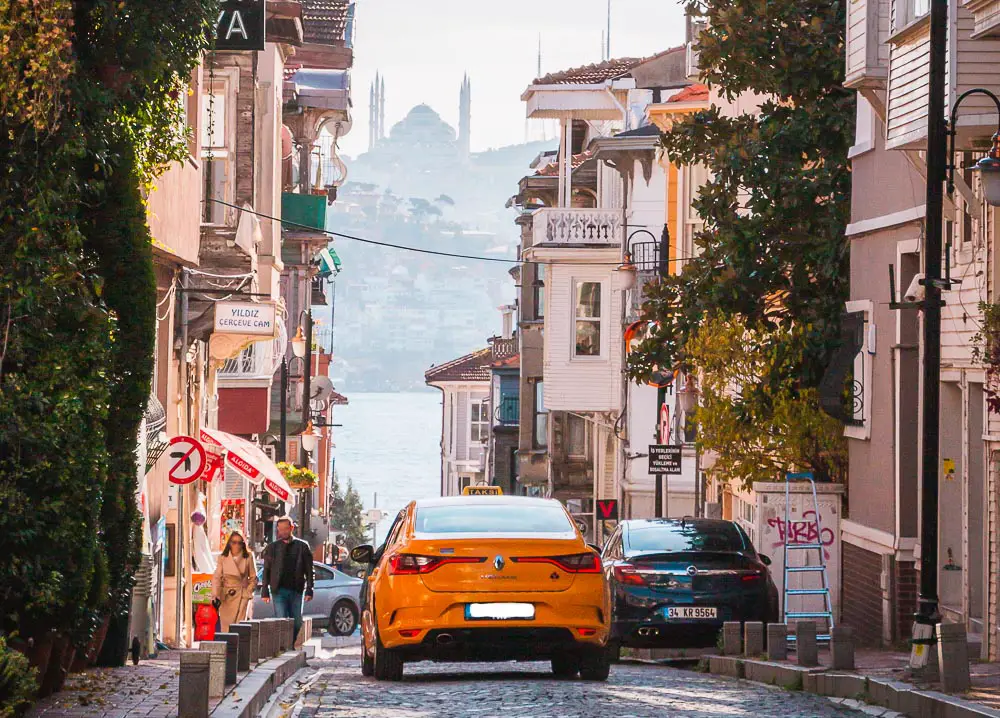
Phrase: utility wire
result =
(419, 250)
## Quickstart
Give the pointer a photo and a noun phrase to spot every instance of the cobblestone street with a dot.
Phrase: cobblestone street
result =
(516, 690)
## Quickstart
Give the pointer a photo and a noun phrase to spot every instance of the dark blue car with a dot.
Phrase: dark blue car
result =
(675, 581)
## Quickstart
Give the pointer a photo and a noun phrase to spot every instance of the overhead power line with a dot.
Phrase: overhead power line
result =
(419, 250)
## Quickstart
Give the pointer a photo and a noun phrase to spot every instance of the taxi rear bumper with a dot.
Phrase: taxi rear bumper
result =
(430, 625)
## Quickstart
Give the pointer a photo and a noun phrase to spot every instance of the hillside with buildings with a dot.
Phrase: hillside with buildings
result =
(420, 186)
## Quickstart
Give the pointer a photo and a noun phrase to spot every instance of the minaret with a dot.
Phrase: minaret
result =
(372, 115)
(465, 117)
(381, 110)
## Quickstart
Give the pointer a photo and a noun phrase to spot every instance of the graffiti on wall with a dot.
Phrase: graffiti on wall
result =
(805, 531)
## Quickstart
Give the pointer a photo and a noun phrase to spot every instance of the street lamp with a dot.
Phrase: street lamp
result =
(989, 166)
(310, 438)
(627, 273)
(688, 396)
(299, 343)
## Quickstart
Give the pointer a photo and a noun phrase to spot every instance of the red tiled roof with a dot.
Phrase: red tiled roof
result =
(552, 168)
(471, 367)
(338, 399)
(591, 74)
(691, 93)
(511, 362)
(324, 21)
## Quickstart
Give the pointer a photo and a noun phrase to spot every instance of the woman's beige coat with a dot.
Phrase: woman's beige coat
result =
(233, 584)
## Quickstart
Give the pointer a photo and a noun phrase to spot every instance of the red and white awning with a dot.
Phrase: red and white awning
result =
(251, 461)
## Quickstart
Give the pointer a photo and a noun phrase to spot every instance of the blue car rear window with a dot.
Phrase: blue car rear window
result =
(724, 537)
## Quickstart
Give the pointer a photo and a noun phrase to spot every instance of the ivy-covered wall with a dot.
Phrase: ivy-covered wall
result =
(91, 103)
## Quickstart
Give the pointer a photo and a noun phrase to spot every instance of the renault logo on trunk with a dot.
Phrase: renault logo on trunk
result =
(498, 563)
(692, 570)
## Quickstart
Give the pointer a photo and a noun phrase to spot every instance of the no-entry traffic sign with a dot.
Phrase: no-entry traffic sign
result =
(187, 460)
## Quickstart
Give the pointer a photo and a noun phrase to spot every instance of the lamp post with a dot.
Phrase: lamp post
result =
(687, 398)
(301, 349)
(939, 168)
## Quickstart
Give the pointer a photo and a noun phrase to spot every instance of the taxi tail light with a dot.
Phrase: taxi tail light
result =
(403, 564)
(626, 573)
(574, 563)
(751, 577)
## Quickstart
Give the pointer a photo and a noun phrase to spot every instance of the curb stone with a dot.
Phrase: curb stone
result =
(253, 692)
(873, 696)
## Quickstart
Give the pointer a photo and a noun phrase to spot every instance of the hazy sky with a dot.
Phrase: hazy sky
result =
(423, 47)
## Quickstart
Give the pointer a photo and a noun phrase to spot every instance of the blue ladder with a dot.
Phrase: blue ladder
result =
(819, 568)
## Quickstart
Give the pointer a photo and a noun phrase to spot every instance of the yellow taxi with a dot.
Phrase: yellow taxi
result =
(484, 578)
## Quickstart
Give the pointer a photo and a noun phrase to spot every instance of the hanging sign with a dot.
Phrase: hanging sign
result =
(187, 459)
(240, 25)
(256, 318)
(665, 459)
(607, 509)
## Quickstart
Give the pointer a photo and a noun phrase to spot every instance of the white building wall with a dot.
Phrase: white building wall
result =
(582, 383)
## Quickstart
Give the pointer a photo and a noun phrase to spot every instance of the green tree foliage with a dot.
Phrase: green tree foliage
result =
(772, 254)
(788, 433)
(347, 513)
(89, 114)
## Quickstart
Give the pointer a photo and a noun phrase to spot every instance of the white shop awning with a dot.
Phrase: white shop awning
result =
(251, 461)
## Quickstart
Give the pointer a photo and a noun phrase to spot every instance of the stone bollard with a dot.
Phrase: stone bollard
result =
(254, 641)
(806, 651)
(305, 633)
(217, 667)
(953, 657)
(290, 636)
(268, 638)
(732, 641)
(193, 690)
(243, 631)
(286, 634)
(753, 638)
(232, 655)
(842, 648)
(777, 641)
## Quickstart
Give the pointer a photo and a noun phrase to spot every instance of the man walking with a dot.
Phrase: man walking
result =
(288, 574)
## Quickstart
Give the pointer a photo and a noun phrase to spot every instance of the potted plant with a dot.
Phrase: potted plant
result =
(298, 477)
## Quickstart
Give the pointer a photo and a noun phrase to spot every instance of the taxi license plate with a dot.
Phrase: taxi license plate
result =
(499, 611)
(691, 612)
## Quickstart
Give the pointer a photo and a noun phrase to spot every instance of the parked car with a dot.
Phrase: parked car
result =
(675, 581)
(335, 602)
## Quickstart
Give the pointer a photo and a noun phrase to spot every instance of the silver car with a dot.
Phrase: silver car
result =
(334, 604)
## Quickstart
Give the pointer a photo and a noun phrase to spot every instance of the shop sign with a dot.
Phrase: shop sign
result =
(240, 25)
(201, 588)
(254, 318)
(233, 519)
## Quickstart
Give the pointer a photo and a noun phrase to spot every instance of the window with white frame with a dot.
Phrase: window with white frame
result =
(480, 421)
(587, 329)
(216, 156)
(908, 11)
(540, 439)
(577, 436)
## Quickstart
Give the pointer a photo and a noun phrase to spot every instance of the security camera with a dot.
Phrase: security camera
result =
(915, 292)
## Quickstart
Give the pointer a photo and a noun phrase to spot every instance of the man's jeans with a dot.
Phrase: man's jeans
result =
(288, 604)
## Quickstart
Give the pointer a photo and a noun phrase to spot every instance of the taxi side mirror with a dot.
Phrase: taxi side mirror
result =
(766, 560)
(595, 547)
(362, 554)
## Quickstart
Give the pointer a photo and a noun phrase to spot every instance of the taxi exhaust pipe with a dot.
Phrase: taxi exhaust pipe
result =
(445, 639)
(647, 632)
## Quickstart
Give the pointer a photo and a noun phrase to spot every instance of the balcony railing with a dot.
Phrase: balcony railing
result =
(260, 360)
(304, 210)
(508, 412)
(504, 348)
(576, 226)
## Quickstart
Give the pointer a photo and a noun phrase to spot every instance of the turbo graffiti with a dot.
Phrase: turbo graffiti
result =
(805, 531)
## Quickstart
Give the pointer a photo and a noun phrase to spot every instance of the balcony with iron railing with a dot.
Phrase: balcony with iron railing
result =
(258, 362)
(508, 411)
(561, 226)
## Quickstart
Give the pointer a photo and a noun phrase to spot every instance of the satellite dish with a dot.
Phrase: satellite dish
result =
(320, 392)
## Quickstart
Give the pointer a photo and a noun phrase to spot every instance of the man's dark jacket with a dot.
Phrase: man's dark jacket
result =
(299, 552)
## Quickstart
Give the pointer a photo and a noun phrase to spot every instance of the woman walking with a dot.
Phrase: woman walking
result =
(234, 582)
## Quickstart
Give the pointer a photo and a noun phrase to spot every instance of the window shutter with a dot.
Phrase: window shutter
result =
(235, 484)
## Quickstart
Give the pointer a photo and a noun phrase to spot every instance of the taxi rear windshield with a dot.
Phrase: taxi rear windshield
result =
(485, 519)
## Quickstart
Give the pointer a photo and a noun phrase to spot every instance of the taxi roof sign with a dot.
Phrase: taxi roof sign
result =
(482, 491)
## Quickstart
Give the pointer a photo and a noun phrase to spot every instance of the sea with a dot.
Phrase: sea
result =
(390, 448)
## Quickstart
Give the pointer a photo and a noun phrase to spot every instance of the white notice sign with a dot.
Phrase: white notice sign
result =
(257, 318)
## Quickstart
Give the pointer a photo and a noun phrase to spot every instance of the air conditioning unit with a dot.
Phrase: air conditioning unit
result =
(271, 451)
